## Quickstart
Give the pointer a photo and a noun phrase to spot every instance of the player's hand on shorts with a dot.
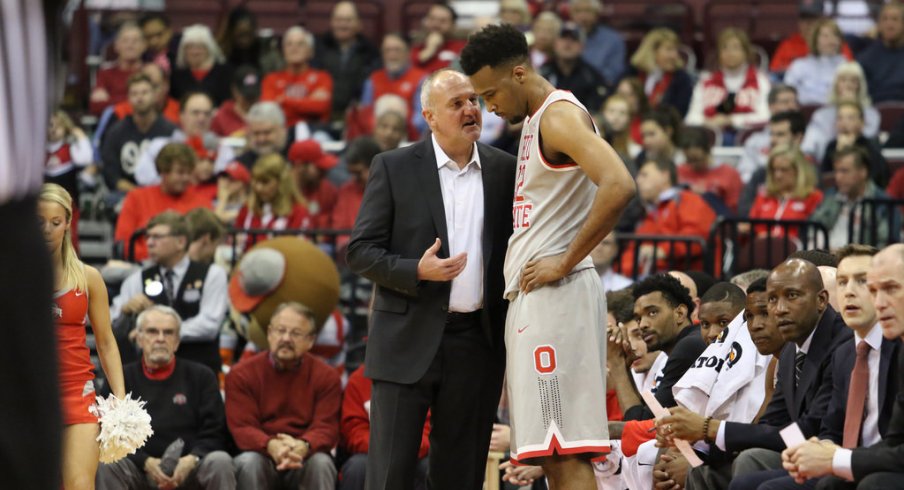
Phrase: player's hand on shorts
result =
(500, 439)
(520, 475)
(541, 271)
(433, 268)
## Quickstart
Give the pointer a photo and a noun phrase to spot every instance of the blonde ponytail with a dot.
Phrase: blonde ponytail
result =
(73, 270)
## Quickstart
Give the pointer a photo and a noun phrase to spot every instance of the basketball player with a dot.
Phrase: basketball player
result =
(30, 408)
(570, 188)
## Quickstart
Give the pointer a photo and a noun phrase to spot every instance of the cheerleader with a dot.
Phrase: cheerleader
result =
(80, 294)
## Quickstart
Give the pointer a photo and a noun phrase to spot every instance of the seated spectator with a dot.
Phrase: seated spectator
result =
(602, 256)
(233, 186)
(207, 233)
(347, 55)
(183, 400)
(200, 66)
(662, 72)
(167, 106)
(782, 98)
(197, 291)
(813, 331)
(274, 202)
(841, 203)
(438, 48)
(282, 408)
(849, 85)
(195, 116)
(718, 307)
(790, 192)
(389, 131)
(310, 165)
(354, 427)
(632, 90)
(669, 211)
(811, 75)
(175, 164)
(785, 129)
(358, 156)
(544, 33)
(70, 159)
(698, 172)
(798, 45)
(849, 127)
(515, 13)
(661, 130)
(567, 70)
(663, 308)
(111, 82)
(733, 97)
(397, 77)
(162, 44)
(266, 133)
(241, 45)
(125, 141)
(246, 90)
(614, 122)
(881, 59)
(604, 47)
(304, 93)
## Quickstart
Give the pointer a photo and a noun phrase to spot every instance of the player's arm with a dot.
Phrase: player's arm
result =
(568, 134)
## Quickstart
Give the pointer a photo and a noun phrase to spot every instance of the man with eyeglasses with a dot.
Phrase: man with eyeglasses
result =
(196, 291)
(282, 408)
(183, 400)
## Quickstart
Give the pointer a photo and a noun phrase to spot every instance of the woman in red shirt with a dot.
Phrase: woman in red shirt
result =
(790, 192)
(274, 202)
(80, 294)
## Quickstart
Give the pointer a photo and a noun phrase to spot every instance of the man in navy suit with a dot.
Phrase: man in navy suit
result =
(432, 234)
(879, 466)
(845, 424)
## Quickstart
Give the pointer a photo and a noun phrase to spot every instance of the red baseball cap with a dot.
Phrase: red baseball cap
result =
(237, 171)
(309, 150)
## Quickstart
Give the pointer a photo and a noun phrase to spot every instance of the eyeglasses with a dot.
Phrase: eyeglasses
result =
(155, 332)
(293, 334)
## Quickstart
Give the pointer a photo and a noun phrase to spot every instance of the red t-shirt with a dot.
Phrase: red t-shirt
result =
(321, 202)
(722, 181)
(227, 122)
(115, 81)
(444, 56)
(142, 204)
(793, 47)
(293, 91)
(346, 211)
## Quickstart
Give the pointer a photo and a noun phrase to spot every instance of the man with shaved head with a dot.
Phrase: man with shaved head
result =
(878, 466)
(799, 305)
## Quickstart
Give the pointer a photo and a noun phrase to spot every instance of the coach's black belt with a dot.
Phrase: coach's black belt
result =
(457, 318)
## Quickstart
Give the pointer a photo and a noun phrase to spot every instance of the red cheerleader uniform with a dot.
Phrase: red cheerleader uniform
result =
(70, 309)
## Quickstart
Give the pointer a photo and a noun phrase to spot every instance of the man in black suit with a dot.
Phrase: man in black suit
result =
(432, 234)
(877, 466)
(799, 305)
(859, 412)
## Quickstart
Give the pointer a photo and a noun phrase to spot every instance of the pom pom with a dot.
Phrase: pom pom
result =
(124, 426)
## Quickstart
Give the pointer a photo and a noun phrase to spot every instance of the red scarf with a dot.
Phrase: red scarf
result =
(659, 89)
(714, 92)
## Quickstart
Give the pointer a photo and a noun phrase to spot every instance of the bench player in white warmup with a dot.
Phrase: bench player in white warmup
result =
(570, 189)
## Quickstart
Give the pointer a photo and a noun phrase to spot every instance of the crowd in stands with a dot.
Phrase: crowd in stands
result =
(208, 131)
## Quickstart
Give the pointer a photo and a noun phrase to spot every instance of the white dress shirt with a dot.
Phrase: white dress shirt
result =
(869, 431)
(214, 300)
(462, 191)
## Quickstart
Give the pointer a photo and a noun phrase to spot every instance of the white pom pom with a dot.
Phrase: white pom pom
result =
(124, 426)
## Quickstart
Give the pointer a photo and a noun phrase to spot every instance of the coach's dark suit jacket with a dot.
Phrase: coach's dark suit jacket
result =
(807, 405)
(401, 215)
(842, 367)
(888, 454)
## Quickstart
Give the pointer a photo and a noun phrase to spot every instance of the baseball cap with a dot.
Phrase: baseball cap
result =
(811, 9)
(248, 82)
(572, 31)
(235, 170)
(309, 150)
(259, 273)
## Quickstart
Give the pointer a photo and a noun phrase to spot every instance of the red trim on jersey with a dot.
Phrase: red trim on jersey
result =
(556, 448)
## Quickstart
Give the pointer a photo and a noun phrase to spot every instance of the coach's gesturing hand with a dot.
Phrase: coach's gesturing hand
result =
(433, 268)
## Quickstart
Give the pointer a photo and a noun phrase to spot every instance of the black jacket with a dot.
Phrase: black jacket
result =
(349, 72)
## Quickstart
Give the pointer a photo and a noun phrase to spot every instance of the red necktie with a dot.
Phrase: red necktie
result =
(857, 393)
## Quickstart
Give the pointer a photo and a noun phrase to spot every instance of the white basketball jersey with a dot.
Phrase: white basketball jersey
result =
(551, 200)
